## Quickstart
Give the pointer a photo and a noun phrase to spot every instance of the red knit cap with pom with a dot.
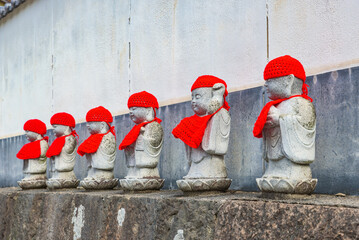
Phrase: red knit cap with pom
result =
(208, 81)
(99, 114)
(35, 125)
(63, 118)
(142, 99)
(284, 66)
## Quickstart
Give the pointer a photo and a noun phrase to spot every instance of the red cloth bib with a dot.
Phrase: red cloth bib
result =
(56, 147)
(31, 150)
(91, 144)
(132, 136)
(191, 129)
(262, 118)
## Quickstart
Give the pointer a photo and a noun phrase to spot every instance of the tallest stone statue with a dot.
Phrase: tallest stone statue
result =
(287, 125)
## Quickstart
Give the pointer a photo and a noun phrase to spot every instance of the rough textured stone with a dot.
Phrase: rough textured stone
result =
(63, 214)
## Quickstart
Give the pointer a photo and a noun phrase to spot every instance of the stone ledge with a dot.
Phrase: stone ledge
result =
(69, 214)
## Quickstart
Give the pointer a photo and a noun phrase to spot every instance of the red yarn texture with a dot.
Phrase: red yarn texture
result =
(262, 118)
(99, 114)
(132, 136)
(284, 66)
(58, 144)
(209, 81)
(63, 118)
(191, 129)
(35, 125)
(31, 150)
(142, 99)
(92, 143)
(280, 67)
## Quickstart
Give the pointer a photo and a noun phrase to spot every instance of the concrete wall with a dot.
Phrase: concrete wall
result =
(40, 214)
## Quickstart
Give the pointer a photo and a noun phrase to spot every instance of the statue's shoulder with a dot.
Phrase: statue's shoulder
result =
(305, 111)
(44, 144)
(154, 132)
(108, 143)
(224, 116)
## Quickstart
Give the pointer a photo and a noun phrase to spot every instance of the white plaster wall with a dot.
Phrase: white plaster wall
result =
(25, 67)
(63, 55)
(322, 34)
(173, 42)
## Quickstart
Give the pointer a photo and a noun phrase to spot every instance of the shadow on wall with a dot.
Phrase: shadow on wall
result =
(335, 96)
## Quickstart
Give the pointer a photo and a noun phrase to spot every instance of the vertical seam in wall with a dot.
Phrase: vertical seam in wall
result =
(267, 23)
(52, 57)
(129, 49)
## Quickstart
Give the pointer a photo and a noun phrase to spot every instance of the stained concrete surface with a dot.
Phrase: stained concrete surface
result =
(77, 214)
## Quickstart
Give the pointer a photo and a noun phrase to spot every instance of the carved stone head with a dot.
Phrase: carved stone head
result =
(284, 77)
(141, 114)
(142, 107)
(61, 130)
(97, 127)
(62, 123)
(32, 136)
(207, 100)
(283, 87)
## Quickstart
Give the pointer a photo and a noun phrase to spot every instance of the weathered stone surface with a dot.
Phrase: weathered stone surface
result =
(77, 214)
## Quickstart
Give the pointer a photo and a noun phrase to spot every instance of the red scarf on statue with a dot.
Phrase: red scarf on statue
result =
(92, 143)
(31, 150)
(191, 129)
(262, 118)
(56, 147)
(132, 136)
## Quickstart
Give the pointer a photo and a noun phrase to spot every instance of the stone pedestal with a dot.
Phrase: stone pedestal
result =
(189, 185)
(36, 181)
(300, 186)
(99, 184)
(141, 184)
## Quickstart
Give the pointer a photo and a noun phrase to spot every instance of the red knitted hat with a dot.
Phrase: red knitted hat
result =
(284, 66)
(63, 118)
(99, 114)
(142, 99)
(208, 81)
(35, 125)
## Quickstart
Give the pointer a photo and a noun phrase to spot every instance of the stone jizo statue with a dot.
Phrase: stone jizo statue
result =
(100, 150)
(62, 152)
(206, 136)
(34, 155)
(143, 144)
(287, 125)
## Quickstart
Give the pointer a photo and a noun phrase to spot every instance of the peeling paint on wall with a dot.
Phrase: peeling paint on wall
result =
(121, 216)
(78, 221)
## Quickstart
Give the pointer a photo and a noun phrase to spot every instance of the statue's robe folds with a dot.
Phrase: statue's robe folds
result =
(65, 161)
(33, 167)
(207, 161)
(289, 148)
(102, 162)
(142, 156)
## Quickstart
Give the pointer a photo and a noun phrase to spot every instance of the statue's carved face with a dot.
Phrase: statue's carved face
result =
(31, 136)
(279, 88)
(201, 100)
(139, 114)
(60, 130)
(94, 127)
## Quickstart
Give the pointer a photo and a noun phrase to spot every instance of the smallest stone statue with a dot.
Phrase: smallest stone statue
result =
(62, 152)
(206, 136)
(34, 155)
(100, 150)
(143, 144)
(287, 125)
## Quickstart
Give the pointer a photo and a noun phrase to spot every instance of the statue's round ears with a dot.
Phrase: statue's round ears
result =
(218, 86)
